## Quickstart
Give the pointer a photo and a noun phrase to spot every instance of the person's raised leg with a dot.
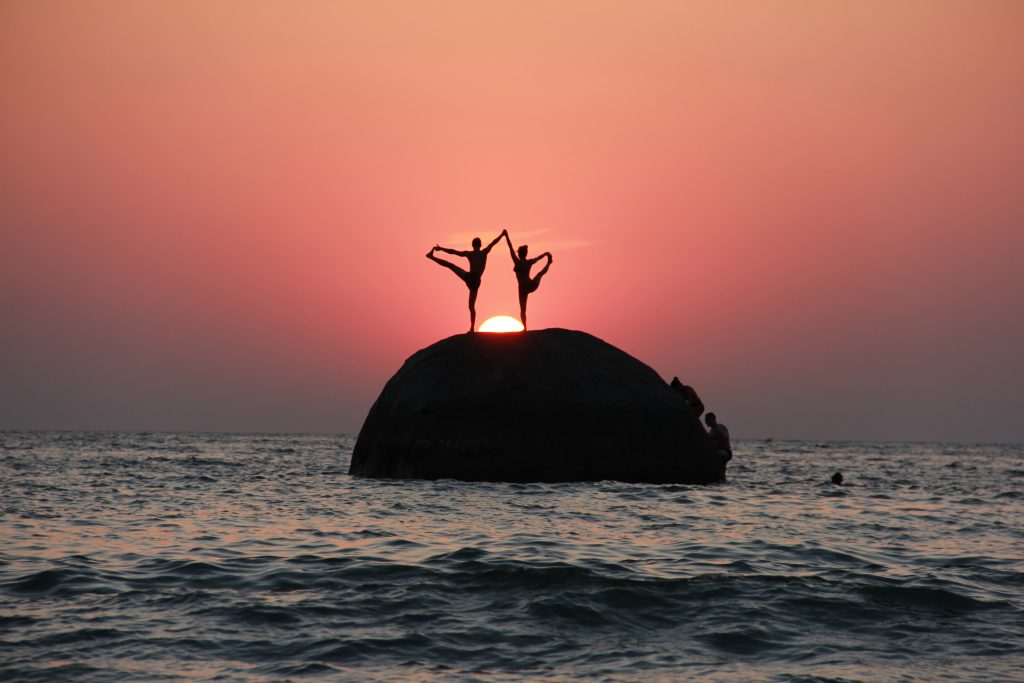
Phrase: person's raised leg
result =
(450, 266)
(536, 279)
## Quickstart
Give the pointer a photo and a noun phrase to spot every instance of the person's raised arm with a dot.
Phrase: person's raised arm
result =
(508, 240)
(453, 252)
(504, 233)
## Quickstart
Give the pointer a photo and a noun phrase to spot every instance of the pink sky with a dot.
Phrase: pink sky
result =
(214, 215)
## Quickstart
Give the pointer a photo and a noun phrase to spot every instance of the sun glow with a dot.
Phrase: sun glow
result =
(501, 323)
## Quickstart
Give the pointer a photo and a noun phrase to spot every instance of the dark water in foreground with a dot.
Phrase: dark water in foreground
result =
(253, 558)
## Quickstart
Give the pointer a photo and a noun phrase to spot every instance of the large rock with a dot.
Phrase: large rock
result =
(546, 405)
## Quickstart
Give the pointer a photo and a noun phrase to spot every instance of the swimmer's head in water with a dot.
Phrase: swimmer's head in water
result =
(477, 243)
(522, 251)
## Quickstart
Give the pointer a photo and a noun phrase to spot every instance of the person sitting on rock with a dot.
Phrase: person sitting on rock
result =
(477, 262)
(719, 436)
(689, 395)
(522, 266)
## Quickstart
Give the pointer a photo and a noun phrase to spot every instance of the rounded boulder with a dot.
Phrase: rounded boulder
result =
(540, 406)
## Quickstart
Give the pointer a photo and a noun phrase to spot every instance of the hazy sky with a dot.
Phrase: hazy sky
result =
(214, 215)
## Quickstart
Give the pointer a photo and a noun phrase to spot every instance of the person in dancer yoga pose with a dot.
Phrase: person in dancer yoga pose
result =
(522, 266)
(477, 262)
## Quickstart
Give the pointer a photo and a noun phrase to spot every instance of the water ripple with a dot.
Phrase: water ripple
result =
(255, 558)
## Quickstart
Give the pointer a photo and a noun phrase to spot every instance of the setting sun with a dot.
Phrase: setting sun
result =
(501, 323)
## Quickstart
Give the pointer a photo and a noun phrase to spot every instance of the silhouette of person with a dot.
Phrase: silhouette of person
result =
(719, 436)
(522, 266)
(477, 262)
(689, 395)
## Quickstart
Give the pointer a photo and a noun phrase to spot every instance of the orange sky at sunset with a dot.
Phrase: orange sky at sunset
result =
(214, 215)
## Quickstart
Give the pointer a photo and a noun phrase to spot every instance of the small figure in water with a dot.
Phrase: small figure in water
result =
(719, 436)
(689, 395)
(477, 262)
(522, 265)
(837, 478)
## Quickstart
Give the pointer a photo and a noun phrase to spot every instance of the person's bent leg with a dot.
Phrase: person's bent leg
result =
(535, 282)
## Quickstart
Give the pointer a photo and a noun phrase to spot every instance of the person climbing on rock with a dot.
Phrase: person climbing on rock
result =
(522, 266)
(477, 262)
(719, 436)
(689, 395)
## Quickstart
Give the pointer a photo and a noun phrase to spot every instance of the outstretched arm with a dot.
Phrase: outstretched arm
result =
(504, 233)
(453, 252)
(546, 254)
(508, 240)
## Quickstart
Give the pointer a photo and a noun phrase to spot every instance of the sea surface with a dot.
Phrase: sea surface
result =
(173, 557)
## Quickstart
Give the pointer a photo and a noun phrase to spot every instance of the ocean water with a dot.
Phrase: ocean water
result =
(172, 557)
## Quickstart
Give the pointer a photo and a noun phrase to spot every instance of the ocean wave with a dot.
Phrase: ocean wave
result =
(255, 558)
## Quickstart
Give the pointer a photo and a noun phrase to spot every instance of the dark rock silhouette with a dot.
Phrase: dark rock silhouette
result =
(548, 405)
